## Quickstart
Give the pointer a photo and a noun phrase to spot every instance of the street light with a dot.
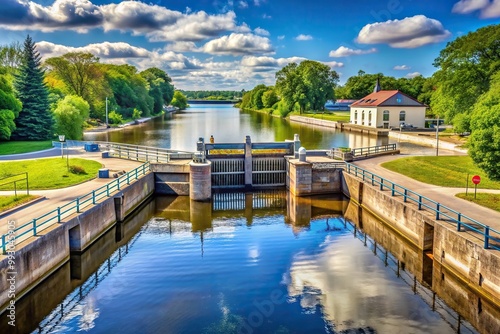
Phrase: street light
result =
(62, 139)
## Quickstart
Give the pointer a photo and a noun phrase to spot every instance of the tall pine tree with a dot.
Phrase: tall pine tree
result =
(35, 120)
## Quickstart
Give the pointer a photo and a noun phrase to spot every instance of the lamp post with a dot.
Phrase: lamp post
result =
(107, 126)
(437, 137)
(61, 140)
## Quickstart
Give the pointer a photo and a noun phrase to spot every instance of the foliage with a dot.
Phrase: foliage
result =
(445, 171)
(35, 120)
(115, 118)
(466, 67)
(360, 85)
(213, 94)
(160, 88)
(179, 100)
(70, 115)
(17, 147)
(51, 173)
(485, 124)
(9, 108)
(309, 85)
(75, 169)
(136, 114)
(269, 98)
(11, 56)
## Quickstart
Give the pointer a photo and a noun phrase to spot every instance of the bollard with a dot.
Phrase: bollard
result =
(302, 154)
(296, 144)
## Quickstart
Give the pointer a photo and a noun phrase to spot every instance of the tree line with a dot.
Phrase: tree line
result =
(60, 95)
(465, 91)
(217, 95)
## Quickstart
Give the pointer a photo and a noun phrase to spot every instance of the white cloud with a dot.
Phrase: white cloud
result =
(281, 37)
(105, 50)
(492, 11)
(333, 64)
(238, 44)
(260, 31)
(410, 32)
(469, 6)
(243, 4)
(413, 75)
(266, 63)
(266, 16)
(401, 67)
(182, 47)
(343, 51)
(303, 37)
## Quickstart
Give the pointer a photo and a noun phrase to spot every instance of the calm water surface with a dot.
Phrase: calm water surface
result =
(198, 268)
(228, 124)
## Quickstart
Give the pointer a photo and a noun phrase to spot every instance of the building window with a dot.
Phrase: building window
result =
(363, 117)
(386, 115)
(402, 116)
(356, 116)
(370, 118)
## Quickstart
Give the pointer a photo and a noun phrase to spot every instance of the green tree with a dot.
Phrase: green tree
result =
(136, 114)
(179, 100)
(9, 108)
(485, 124)
(115, 118)
(10, 56)
(289, 86)
(160, 88)
(70, 115)
(319, 82)
(466, 66)
(269, 98)
(35, 121)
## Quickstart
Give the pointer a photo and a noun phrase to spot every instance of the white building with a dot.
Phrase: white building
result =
(388, 109)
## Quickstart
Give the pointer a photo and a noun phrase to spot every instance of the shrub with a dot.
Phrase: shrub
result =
(77, 169)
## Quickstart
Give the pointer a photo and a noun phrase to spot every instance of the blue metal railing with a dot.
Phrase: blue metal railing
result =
(36, 225)
(489, 236)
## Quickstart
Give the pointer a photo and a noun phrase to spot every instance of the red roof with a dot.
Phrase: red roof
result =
(375, 99)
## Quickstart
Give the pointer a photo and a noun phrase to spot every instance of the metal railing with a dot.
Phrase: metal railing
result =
(21, 180)
(38, 224)
(489, 236)
(366, 151)
(132, 152)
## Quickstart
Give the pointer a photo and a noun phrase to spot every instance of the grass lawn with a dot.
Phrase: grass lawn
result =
(441, 171)
(9, 202)
(16, 147)
(49, 173)
(491, 201)
(329, 116)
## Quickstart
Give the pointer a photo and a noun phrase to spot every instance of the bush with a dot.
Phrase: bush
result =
(77, 169)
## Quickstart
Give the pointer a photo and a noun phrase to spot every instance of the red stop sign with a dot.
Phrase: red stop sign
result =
(476, 179)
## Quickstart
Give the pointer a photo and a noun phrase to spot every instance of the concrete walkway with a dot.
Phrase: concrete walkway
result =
(59, 197)
(442, 195)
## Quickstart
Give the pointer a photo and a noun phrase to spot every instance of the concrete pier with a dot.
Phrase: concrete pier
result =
(200, 181)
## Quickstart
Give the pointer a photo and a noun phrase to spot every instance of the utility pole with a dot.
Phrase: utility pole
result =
(107, 126)
(437, 137)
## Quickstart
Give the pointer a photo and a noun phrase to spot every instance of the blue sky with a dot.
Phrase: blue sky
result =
(233, 45)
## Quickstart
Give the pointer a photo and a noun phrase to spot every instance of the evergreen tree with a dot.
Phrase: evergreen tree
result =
(35, 119)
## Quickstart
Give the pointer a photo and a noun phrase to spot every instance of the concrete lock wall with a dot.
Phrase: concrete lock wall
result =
(468, 260)
(34, 261)
(39, 256)
(171, 179)
(415, 225)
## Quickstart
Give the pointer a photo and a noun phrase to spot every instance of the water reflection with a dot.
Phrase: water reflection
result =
(294, 267)
(228, 124)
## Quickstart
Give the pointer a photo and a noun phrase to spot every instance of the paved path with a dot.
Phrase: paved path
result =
(58, 197)
(442, 195)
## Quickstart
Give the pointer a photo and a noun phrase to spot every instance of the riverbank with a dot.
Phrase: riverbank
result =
(138, 121)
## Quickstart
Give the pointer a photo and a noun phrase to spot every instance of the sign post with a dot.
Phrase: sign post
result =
(476, 179)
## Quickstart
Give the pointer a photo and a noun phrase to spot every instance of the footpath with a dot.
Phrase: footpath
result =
(58, 197)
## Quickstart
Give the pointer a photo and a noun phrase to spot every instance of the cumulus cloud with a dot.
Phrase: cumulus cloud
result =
(401, 67)
(266, 63)
(413, 75)
(105, 50)
(243, 4)
(492, 11)
(238, 44)
(343, 51)
(156, 22)
(281, 37)
(303, 37)
(333, 64)
(410, 32)
(260, 31)
(468, 6)
(182, 47)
